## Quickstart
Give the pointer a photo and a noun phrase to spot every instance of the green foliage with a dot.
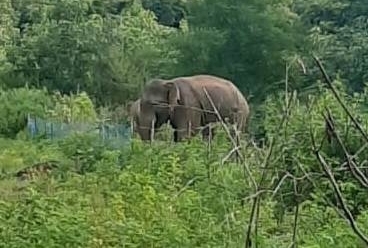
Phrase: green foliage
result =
(109, 50)
(185, 194)
(72, 108)
(16, 104)
(337, 32)
(253, 56)
(294, 144)
(173, 196)
(168, 13)
(65, 47)
(141, 52)
(19, 103)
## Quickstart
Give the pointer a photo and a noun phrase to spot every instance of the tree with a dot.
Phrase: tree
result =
(7, 37)
(71, 46)
(245, 41)
(168, 12)
(338, 31)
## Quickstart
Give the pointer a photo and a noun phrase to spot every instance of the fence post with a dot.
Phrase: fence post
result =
(29, 125)
(189, 128)
(209, 150)
(132, 125)
(103, 132)
(237, 139)
(152, 130)
(52, 131)
(35, 126)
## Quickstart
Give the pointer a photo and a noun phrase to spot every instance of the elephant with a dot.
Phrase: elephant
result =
(133, 114)
(184, 103)
(134, 111)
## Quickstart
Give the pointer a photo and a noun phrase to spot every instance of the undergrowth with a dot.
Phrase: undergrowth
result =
(187, 194)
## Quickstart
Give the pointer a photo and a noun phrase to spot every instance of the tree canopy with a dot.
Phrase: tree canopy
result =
(109, 49)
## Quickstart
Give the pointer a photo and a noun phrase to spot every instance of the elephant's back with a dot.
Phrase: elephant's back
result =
(227, 98)
(210, 82)
(215, 84)
(225, 95)
(221, 88)
(206, 80)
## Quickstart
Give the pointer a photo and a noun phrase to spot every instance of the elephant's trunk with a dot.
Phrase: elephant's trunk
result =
(145, 134)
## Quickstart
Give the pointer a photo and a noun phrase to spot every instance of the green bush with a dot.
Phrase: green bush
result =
(293, 150)
(16, 104)
(187, 194)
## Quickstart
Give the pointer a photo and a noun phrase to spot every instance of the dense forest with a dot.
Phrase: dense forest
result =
(299, 178)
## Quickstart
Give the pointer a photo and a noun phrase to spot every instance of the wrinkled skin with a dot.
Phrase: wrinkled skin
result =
(182, 101)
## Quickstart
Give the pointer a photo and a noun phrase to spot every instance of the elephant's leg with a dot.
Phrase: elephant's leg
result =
(234, 121)
(177, 138)
(179, 133)
(184, 130)
(208, 132)
(185, 123)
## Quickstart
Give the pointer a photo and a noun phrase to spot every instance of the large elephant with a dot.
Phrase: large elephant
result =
(184, 102)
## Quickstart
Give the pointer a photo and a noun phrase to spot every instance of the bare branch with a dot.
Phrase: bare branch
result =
(186, 186)
(333, 90)
(338, 193)
(296, 215)
(229, 154)
(230, 137)
(248, 241)
(358, 175)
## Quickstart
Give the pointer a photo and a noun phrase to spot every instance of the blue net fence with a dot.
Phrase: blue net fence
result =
(116, 135)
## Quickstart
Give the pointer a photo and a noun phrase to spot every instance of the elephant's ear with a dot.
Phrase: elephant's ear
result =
(173, 95)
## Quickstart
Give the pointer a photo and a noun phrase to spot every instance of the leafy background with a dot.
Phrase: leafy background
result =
(82, 61)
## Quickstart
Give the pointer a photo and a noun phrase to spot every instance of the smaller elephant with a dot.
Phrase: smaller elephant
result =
(133, 113)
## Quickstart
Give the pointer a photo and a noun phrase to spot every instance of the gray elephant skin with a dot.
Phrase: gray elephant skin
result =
(183, 102)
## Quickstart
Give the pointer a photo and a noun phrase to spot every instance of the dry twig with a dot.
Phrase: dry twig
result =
(340, 198)
(336, 95)
(296, 215)
(356, 172)
(230, 137)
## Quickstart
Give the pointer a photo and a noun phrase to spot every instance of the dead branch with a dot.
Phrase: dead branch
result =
(257, 218)
(356, 172)
(278, 186)
(248, 241)
(296, 215)
(166, 105)
(342, 168)
(230, 137)
(237, 148)
(338, 193)
(258, 193)
(256, 203)
(186, 186)
(361, 149)
(336, 95)
(254, 212)
(307, 175)
(209, 146)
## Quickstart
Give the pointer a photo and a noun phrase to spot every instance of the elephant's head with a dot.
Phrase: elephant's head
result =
(156, 105)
